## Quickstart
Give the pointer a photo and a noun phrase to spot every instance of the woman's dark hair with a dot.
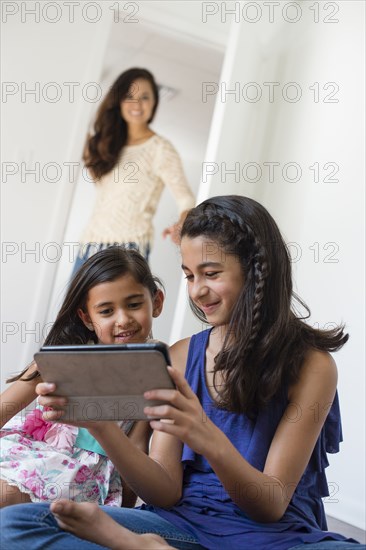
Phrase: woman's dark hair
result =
(267, 340)
(103, 148)
(104, 266)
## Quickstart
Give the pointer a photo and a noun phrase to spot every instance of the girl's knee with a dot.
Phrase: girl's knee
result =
(10, 495)
(20, 525)
(24, 514)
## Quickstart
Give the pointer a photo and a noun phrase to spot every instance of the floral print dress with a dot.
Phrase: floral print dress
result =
(43, 460)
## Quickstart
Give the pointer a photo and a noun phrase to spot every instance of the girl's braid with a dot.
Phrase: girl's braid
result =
(259, 272)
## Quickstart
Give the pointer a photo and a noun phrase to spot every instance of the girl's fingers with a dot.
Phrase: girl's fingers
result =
(161, 411)
(181, 384)
(178, 412)
(180, 401)
(173, 398)
(52, 415)
(161, 426)
(46, 397)
(53, 402)
(43, 388)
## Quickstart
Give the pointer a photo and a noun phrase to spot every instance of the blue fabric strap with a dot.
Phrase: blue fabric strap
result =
(87, 442)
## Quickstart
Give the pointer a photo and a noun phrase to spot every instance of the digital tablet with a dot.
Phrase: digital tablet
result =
(105, 382)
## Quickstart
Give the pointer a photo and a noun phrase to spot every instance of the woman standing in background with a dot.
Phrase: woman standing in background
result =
(130, 165)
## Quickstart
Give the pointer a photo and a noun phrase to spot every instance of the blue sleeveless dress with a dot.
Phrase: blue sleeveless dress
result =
(206, 509)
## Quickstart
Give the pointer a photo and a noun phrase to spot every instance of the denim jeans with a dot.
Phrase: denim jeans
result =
(86, 251)
(33, 527)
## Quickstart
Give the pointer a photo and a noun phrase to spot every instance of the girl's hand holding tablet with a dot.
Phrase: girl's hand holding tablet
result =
(188, 421)
(54, 405)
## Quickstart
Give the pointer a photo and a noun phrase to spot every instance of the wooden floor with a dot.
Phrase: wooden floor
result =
(345, 529)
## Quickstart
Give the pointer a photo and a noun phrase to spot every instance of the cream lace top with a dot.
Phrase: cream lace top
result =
(127, 197)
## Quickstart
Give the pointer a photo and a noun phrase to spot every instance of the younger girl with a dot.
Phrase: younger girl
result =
(238, 456)
(111, 300)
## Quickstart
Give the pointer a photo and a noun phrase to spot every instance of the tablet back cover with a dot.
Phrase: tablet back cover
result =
(104, 385)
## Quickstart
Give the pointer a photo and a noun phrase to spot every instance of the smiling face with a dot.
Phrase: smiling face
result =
(121, 311)
(215, 279)
(138, 105)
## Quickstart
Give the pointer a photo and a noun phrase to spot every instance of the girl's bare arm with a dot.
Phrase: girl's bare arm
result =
(140, 435)
(17, 396)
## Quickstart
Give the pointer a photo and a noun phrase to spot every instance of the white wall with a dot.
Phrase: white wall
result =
(308, 212)
(40, 130)
(328, 217)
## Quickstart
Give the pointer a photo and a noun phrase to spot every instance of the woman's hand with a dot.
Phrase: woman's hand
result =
(174, 230)
(183, 417)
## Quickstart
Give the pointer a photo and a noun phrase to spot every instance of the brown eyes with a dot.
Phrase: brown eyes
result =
(131, 98)
(209, 274)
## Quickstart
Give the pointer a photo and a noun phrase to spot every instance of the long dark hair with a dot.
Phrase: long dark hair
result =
(103, 147)
(267, 340)
(104, 266)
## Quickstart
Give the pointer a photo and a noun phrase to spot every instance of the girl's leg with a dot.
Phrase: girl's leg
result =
(11, 495)
(34, 526)
(89, 522)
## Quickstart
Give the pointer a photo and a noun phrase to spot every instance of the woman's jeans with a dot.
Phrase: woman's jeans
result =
(33, 527)
(88, 250)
